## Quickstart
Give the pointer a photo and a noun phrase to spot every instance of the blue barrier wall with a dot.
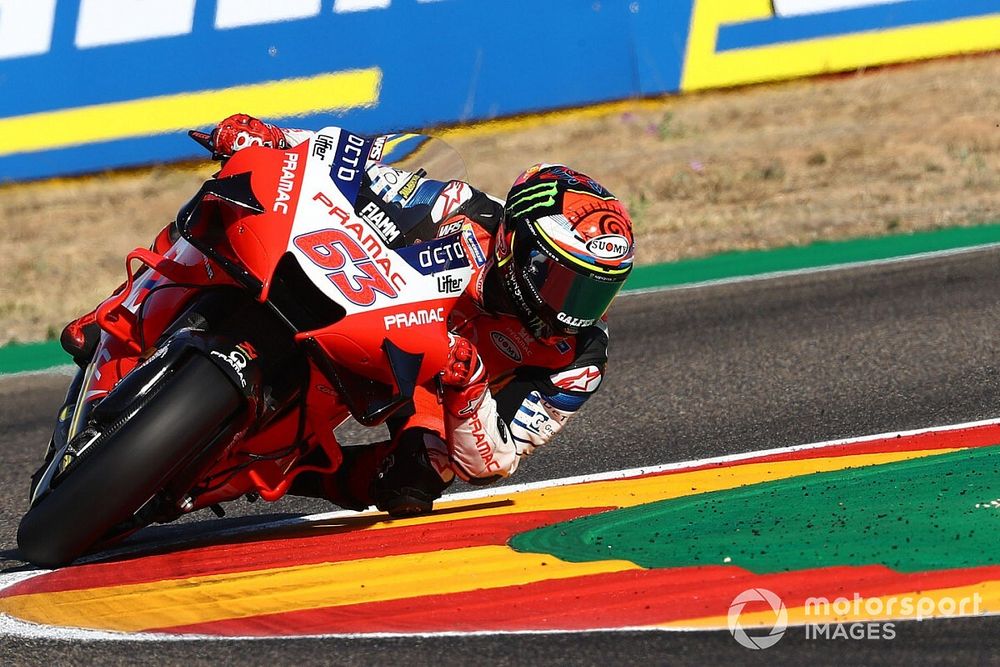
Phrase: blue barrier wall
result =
(421, 64)
(733, 43)
(80, 98)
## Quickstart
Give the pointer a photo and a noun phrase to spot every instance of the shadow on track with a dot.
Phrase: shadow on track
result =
(245, 530)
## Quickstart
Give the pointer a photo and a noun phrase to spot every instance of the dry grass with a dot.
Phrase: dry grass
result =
(898, 149)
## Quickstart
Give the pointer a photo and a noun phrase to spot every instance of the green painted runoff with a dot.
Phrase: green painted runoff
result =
(911, 516)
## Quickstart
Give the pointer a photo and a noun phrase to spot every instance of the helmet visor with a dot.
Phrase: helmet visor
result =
(569, 300)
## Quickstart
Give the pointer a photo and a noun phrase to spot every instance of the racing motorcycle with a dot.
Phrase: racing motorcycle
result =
(290, 300)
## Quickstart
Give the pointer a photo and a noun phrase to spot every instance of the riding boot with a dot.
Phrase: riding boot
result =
(400, 480)
(407, 483)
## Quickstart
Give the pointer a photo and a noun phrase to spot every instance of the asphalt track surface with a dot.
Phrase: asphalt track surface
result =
(694, 373)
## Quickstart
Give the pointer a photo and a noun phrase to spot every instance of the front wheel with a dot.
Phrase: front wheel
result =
(131, 462)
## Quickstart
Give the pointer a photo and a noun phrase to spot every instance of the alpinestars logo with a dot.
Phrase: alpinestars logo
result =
(451, 198)
(585, 379)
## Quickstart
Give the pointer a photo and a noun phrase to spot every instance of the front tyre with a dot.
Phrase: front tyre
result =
(130, 465)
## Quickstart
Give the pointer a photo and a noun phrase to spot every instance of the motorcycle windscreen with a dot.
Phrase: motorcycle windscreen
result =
(437, 159)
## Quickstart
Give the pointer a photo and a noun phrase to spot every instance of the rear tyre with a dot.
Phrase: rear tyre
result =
(189, 408)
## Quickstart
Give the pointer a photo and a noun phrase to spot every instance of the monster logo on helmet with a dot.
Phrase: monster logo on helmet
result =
(566, 251)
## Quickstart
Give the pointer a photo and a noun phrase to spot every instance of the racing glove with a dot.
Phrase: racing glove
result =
(479, 443)
(240, 130)
(464, 378)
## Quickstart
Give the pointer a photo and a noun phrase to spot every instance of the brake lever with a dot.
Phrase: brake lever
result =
(204, 139)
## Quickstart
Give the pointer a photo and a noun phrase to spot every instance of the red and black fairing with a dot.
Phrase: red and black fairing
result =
(236, 263)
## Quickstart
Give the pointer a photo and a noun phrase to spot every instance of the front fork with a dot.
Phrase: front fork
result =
(88, 409)
(117, 340)
(64, 421)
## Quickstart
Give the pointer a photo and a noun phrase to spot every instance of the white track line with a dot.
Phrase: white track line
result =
(18, 628)
(814, 269)
(69, 370)
(23, 630)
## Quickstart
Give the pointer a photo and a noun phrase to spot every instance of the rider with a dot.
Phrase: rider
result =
(529, 339)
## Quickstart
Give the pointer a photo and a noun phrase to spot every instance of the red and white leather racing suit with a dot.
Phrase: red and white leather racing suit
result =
(534, 387)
